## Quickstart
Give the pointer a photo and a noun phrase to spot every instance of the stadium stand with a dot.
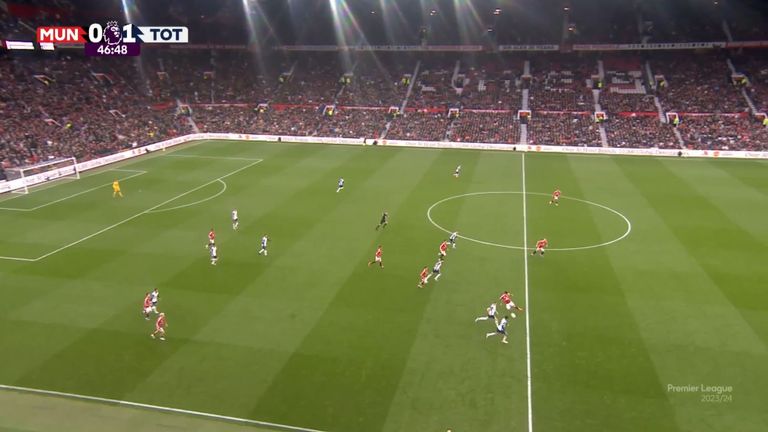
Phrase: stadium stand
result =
(557, 129)
(641, 131)
(67, 105)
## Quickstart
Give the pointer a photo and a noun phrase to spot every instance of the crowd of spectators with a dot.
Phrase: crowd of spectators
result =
(625, 88)
(434, 85)
(626, 102)
(697, 83)
(719, 132)
(561, 84)
(416, 125)
(72, 107)
(353, 123)
(563, 129)
(491, 87)
(313, 81)
(64, 105)
(756, 70)
(376, 84)
(641, 131)
(486, 127)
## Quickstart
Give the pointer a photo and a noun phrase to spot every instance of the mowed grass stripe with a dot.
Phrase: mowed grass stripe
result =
(749, 172)
(451, 363)
(743, 204)
(363, 339)
(29, 412)
(688, 303)
(711, 238)
(268, 290)
(88, 376)
(590, 364)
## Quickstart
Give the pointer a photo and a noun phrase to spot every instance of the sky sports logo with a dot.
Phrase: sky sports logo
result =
(110, 39)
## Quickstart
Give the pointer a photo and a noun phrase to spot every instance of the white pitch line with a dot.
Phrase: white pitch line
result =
(566, 249)
(138, 173)
(224, 189)
(527, 304)
(17, 259)
(158, 408)
(213, 157)
(136, 215)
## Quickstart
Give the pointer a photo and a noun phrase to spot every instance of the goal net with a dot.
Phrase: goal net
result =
(21, 179)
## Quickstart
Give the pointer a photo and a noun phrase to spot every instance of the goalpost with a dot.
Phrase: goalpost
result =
(21, 179)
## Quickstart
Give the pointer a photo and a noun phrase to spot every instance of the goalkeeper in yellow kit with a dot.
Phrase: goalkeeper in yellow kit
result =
(116, 189)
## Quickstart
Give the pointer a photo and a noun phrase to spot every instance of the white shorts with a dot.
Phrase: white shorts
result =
(148, 309)
(442, 253)
(510, 305)
(539, 249)
(377, 259)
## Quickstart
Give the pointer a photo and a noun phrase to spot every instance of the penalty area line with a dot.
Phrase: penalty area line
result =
(136, 174)
(147, 211)
(158, 408)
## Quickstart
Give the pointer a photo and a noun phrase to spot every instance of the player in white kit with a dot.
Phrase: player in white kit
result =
(214, 255)
(235, 220)
(490, 313)
(501, 329)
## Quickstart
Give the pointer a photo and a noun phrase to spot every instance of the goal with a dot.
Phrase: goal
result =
(21, 179)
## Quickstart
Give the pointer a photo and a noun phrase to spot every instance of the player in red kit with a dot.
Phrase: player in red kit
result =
(147, 306)
(211, 238)
(540, 245)
(443, 249)
(160, 326)
(423, 277)
(377, 258)
(506, 298)
(555, 197)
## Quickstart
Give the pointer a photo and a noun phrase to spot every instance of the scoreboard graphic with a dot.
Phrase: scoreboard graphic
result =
(110, 39)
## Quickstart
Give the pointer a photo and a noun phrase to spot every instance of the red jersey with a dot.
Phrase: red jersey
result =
(148, 301)
(556, 193)
(160, 323)
(211, 236)
(378, 253)
(542, 243)
(424, 273)
(443, 247)
(506, 298)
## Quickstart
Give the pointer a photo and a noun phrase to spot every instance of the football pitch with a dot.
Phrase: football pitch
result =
(649, 311)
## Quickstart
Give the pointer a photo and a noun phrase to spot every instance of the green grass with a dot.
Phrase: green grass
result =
(310, 336)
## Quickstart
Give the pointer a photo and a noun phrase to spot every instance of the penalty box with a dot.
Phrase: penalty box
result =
(154, 209)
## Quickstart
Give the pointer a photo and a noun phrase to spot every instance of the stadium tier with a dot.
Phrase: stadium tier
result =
(416, 216)
(72, 106)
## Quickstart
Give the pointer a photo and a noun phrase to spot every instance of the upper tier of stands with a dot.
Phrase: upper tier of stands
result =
(66, 105)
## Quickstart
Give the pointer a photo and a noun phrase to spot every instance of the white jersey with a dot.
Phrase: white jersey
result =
(234, 215)
(341, 182)
(437, 266)
(264, 242)
(492, 309)
(453, 236)
(154, 296)
(502, 326)
(458, 169)
(213, 251)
